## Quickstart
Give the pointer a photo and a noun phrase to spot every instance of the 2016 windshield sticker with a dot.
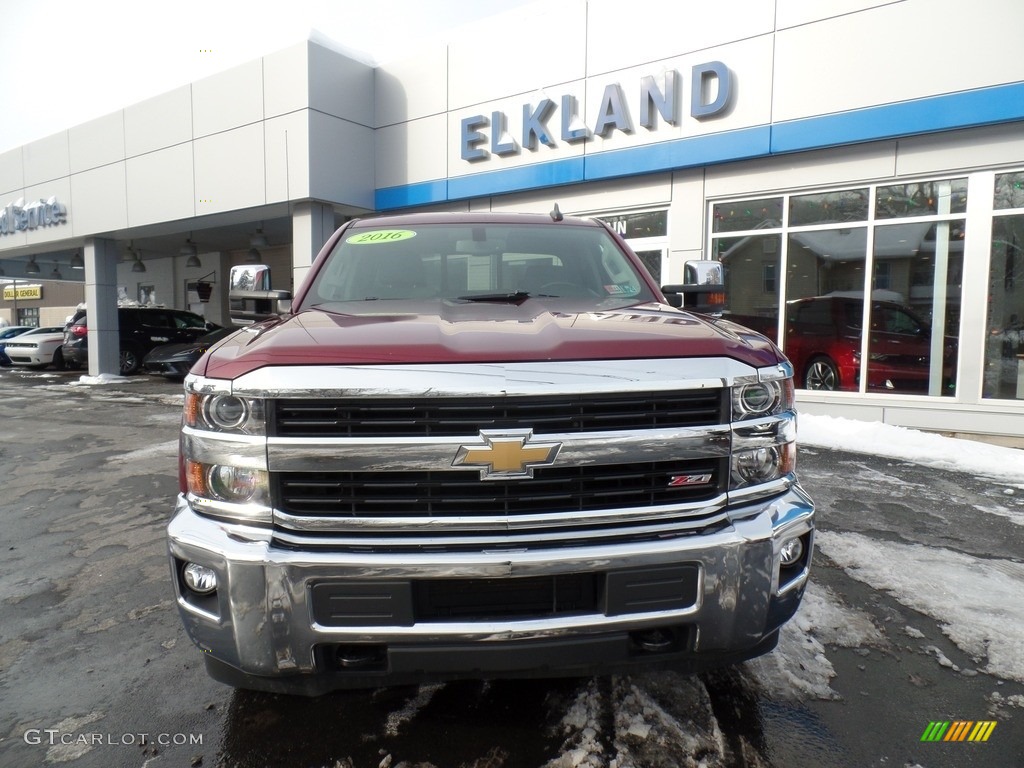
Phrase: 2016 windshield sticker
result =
(381, 236)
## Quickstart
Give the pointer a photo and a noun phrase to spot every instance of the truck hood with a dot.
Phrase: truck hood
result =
(417, 332)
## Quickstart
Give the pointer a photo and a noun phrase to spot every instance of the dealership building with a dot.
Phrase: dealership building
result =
(853, 164)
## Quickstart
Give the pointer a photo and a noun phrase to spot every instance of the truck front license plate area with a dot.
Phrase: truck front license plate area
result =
(354, 603)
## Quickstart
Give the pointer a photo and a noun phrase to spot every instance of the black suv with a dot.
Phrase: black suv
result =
(141, 330)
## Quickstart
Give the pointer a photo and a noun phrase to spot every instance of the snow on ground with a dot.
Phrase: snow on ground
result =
(163, 450)
(798, 668)
(992, 461)
(977, 601)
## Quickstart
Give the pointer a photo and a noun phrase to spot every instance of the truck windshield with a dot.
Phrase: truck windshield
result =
(563, 263)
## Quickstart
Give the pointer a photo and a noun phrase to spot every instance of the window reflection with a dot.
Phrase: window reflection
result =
(915, 317)
(747, 214)
(1009, 191)
(924, 198)
(913, 289)
(829, 208)
(1004, 346)
(825, 306)
(751, 280)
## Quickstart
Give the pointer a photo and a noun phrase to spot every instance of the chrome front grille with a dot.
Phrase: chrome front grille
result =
(380, 473)
(434, 417)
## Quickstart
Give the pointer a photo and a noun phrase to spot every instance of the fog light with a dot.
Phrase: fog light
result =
(200, 579)
(791, 552)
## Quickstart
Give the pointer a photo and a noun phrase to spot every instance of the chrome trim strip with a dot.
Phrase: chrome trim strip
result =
(520, 629)
(420, 528)
(373, 454)
(231, 448)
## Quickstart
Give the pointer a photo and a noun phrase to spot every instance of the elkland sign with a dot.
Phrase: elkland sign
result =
(18, 217)
(477, 143)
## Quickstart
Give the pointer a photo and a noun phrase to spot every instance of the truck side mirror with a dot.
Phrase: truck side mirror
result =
(250, 299)
(703, 287)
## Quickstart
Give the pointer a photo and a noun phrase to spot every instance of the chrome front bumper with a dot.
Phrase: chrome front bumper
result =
(261, 621)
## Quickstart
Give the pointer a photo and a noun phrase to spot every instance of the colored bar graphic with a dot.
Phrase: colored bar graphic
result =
(982, 730)
(958, 730)
(935, 731)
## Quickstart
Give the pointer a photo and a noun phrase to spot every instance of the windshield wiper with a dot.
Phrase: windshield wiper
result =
(516, 297)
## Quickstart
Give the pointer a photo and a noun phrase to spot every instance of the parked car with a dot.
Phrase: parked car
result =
(141, 330)
(823, 341)
(175, 360)
(8, 333)
(37, 348)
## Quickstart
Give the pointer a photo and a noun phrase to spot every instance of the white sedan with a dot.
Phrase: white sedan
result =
(37, 348)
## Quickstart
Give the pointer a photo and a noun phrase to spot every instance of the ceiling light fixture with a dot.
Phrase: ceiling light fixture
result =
(32, 268)
(189, 249)
(56, 275)
(258, 240)
(76, 260)
(138, 266)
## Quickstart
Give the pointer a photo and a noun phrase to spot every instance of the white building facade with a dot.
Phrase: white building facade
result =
(855, 164)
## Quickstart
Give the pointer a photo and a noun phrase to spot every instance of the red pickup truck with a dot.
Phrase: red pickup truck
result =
(482, 445)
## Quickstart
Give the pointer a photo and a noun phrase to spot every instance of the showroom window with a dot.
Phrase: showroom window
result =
(1004, 345)
(899, 245)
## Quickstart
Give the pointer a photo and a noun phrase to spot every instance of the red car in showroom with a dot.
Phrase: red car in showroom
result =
(823, 341)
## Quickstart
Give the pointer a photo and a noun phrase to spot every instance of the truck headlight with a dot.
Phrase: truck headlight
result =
(238, 494)
(223, 412)
(763, 465)
(762, 398)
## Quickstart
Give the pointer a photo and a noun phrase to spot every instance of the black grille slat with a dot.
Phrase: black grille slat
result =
(416, 417)
(438, 494)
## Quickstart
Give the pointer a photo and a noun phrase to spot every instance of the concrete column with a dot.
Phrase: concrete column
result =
(101, 258)
(312, 225)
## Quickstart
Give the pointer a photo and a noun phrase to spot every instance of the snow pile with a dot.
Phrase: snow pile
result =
(657, 719)
(798, 668)
(103, 378)
(977, 600)
(949, 453)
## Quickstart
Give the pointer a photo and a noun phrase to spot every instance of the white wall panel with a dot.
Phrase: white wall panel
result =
(47, 159)
(792, 13)
(12, 173)
(97, 142)
(686, 223)
(100, 199)
(401, 157)
(61, 188)
(849, 165)
(976, 148)
(751, 98)
(160, 186)
(340, 86)
(286, 80)
(893, 53)
(623, 34)
(518, 52)
(411, 88)
(162, 121)
(228, 100)
(287, 156)
(341, 164)
(229, 170)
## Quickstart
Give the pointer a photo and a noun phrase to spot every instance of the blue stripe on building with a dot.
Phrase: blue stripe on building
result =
(967, 109)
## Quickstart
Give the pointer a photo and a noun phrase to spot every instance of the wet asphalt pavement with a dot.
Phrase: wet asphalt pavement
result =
(95, 669)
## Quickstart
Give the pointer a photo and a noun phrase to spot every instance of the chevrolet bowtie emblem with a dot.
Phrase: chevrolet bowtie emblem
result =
(506, 454)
